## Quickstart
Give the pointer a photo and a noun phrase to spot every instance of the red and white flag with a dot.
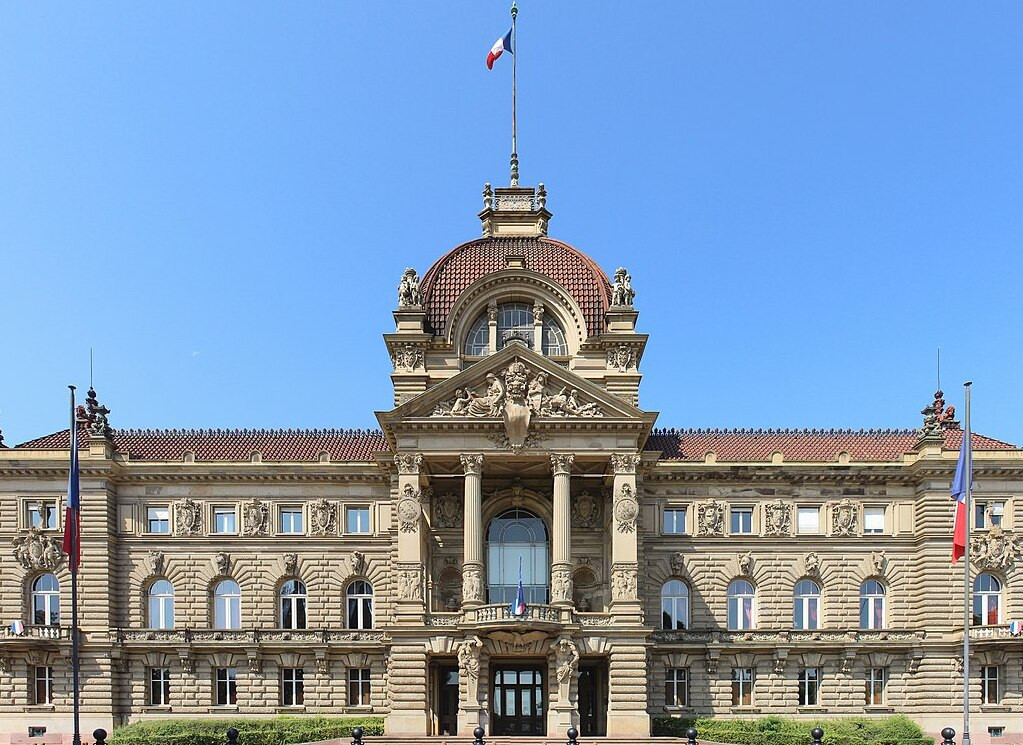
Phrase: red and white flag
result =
(960, 483)
(502, 45)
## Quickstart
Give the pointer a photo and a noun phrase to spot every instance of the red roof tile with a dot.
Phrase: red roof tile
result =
(569, 267)
(757, 445)
(233, 444)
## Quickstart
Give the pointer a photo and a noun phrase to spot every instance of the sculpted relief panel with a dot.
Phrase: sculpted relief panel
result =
(38, 551)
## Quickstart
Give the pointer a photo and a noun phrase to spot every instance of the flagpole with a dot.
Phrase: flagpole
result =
(73, 561)
(967, 442)
(515, 147)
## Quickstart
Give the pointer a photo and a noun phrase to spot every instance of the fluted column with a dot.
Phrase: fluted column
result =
(561, 555)
(472, 546)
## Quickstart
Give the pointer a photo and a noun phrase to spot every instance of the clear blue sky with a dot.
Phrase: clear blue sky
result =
(220, 199)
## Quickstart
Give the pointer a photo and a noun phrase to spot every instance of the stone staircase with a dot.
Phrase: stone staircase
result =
(451, 740)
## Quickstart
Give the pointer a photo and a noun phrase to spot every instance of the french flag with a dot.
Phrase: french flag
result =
(72, 520)
(502, 45)
(963, 478)
(517, 607)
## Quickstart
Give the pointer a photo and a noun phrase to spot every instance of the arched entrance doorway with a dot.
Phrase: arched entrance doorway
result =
(517, 541)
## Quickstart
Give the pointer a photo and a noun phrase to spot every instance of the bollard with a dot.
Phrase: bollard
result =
(357, 736)
(100, 735)
(573, 736)
(477, 735)
(232, 736)
(691, 736)
(948, 736)
(816, 736)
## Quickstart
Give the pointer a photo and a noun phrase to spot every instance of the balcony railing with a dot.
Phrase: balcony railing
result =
(991, 632)
(56, 633)
(790, 636)
(248, 636)
(499, 613)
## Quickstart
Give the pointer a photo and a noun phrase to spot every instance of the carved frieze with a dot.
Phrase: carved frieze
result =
(409, 509)
(187, 517)
(407, 357)
(710, 518)
(585, 511)
(561, 584)
(256, 515)
(994, 550)
(626, 509)
(624, 583)
(447, 511)
(410, 582)
(621, 357)
(36, 550)
(844, 517)
(322, 517)
(778, 518)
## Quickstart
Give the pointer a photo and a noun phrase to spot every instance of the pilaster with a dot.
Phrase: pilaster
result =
(624, 539)
(410, 605)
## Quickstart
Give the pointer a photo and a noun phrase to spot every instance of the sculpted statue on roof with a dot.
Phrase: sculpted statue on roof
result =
(622, 292)
(409, 293)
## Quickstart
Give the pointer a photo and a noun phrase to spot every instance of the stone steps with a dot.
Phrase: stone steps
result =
(467, 740)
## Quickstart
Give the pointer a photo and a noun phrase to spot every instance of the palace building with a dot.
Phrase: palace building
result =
(664, 572)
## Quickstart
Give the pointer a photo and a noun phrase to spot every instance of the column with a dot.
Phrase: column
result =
(472, 537)
(624, 543)
(561, 554)
(409, 570)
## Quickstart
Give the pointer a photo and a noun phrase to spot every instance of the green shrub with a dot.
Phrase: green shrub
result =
(895, 730)
(283, 730)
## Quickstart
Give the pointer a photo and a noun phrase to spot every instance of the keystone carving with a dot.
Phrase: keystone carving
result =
(187, 517)
(37, 550)
(155, 562)
(291, 565)
(844, 518)
(257, 517)
(357, 563)
(322, 518)
(745, 562)
(222, 563)
(812, 562)
(710, 518)
(995, 550)
(409, 509)
(678, 563)
(626, 509)
(878, 562)
(777, 519)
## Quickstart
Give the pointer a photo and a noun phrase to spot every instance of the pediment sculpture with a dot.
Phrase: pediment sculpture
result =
(994, 550)
(516, 395)
(38, 550)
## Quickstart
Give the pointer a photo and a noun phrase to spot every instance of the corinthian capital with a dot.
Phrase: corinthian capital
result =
(408, 462)
(472, 464)
(562, 462)
(624, 462)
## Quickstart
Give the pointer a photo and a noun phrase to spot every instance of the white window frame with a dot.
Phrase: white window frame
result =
(298, 601)
(360, 683)
(227, 608)
(872, 600)
(990, 692)
(369, 519)
(677, 522)
(737, 605)
(363, 608)
(42, 674)
(743, 681)
(742, 510)
(292, 686)
(983, 598)
(808, 511)
(806, 607)
(159, 686)
(672, 604)
(150, 508)
(228, 677)
(868, 511)
(160, 606)
(809, 687)
(290, 510)
(27, 512)
(222, 509)
(987, 509)
(50, 600)
(877, 682)
(676, 687)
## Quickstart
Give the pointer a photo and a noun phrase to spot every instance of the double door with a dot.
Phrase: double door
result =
(518, 700)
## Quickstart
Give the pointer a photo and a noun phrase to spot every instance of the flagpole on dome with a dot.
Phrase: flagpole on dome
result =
(72, 547)
(966, 461)
(514, 53)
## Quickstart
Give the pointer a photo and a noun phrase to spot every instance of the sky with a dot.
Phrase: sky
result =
(219, 199)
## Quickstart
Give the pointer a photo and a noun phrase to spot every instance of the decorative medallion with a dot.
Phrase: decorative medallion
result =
(777, 519)
(187, 517)
(447, 511)
(626, 509)
(257, 517)
(995, 550)
(585, 511)
(844, 517)
(710, 518)
(38, 550)
(409, 510)
(322, 517)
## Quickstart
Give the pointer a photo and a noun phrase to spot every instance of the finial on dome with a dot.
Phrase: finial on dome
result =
(514, 211)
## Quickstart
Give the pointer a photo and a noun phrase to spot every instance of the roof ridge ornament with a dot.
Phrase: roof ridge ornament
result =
(514, 211)
(96, 416)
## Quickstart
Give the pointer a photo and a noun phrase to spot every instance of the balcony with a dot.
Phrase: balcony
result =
(498, 614)
(788, 636)
(249, 638)
(35, 635)
(992, 632)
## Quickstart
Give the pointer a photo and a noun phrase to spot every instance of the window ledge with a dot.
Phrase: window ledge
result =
(222, 708)
(679, 709)
(40, 707)
(746, 710)
(880, 709)
(812, 709)
(298, 709)
(995, 708)
(157, 707)
(359, 709)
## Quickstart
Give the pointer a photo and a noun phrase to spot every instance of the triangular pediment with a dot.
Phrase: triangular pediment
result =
(516, 376)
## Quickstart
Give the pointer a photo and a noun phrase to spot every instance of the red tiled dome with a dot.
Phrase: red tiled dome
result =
(569, 267)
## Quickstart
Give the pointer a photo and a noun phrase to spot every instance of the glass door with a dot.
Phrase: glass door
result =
(518, 701)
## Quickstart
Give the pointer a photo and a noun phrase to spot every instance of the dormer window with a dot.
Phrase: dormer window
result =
(515, 321)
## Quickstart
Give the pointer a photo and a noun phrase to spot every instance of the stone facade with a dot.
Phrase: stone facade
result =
(649, 538)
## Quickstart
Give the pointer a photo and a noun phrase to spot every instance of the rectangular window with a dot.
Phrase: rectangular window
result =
(741, 520)
(224, 520)
(357, 519)
(808, 520)
(358, 686)
(227, 686)
(293, 687)
(675, 520)
(42, 514)
(873, 520)
(291, 520)
(159, 686)
(157, 520)
(44, 685)
(809, 683)
(742, 686)
(989, 685)
(877, 677)
(988, 514)
(676, 686)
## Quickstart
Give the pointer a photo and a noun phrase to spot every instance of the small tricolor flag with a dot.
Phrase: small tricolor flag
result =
(962, 480)
(1015, 628)
(517, 607)
(72, 522)
(502, 45)
(18, 628)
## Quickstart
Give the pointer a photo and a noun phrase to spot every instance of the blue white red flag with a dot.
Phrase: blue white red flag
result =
(518, 605)
(960, 483)
(502, 45)
(72, 520)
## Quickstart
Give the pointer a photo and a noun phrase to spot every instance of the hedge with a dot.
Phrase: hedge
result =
(283, 730)
(895, 730)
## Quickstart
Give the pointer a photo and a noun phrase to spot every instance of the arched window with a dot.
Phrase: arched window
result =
(674, 605)
(517, 547)
(360, 605)
(987, 600)
(740, 605)
(515, 321)
(46, 601)
(161, 605)
(227, 605)
(871, 605)
(807, 605)
(293, 597)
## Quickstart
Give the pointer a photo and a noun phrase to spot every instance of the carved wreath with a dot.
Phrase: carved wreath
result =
(409, 510)
(626, 510)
